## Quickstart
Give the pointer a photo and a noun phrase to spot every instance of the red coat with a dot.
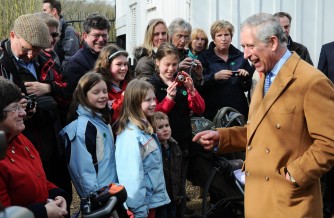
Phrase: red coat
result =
(22, 178)
(116, 96)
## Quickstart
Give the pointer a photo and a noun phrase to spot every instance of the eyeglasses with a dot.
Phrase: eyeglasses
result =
(15, 108)
(54, 35)
(25, 50)
(180, 36)
(97, 36)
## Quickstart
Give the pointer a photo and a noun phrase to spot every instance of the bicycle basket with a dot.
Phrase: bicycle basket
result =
(227, 117)
(199, 124)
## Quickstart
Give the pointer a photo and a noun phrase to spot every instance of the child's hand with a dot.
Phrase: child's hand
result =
(171, 90)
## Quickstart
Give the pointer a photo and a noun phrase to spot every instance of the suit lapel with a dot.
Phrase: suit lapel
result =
(260, 104)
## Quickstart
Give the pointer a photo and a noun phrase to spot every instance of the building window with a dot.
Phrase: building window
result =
(150, 4)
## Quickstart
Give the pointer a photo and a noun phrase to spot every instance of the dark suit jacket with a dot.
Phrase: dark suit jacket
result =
(326, 60)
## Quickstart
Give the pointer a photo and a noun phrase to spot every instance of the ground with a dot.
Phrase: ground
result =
(192, 192)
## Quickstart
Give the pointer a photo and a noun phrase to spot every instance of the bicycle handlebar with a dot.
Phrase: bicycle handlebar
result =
(104, 211)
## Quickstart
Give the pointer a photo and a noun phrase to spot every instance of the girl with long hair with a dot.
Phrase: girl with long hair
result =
(138, 152)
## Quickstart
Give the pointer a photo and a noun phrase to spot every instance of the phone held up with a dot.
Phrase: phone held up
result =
(235, 73)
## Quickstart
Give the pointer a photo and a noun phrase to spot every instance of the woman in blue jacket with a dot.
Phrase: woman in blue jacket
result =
(138, 152)
(227, 75)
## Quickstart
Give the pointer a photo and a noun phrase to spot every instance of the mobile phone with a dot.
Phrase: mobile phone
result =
(235, 73)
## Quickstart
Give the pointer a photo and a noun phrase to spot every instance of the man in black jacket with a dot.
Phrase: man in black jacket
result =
(326, 65)
(95, 36)
(68, 42)
(285, 21)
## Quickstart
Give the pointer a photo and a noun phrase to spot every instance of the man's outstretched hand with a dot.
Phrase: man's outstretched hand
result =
(208, 139)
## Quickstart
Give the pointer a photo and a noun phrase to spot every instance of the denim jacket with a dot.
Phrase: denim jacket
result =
(140, 170)
(90, 152)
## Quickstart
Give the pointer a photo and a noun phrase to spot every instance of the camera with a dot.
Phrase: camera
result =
(180, 78)
(31, 101)
(193, 63)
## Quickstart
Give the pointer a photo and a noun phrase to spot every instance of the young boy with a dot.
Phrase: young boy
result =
(172, 164)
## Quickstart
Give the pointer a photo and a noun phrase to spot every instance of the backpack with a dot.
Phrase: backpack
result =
(59, 47)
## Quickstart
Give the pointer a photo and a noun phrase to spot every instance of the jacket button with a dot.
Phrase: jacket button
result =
(278, 126)
(249, 147)
(267, 150)
(266, 178)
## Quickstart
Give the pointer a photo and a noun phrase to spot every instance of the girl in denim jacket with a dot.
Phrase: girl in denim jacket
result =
(138, 153)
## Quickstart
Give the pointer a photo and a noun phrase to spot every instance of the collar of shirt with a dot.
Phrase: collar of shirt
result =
(192, 56)
(279, 64)
(29, 66)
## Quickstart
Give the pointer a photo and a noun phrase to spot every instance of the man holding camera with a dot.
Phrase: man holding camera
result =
(19, 63)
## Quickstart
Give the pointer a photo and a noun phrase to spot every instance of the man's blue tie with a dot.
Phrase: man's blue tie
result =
(267, 82)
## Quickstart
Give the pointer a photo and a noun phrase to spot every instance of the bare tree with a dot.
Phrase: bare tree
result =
(72, 10)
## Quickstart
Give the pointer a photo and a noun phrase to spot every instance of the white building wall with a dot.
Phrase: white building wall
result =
(311, 19)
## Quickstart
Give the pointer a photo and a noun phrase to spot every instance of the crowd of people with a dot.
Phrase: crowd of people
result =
(78, 115)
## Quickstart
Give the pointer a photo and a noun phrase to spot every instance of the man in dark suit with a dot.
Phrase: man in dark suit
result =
(326, 65)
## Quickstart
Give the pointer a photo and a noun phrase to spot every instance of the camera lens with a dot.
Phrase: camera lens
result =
(180, 78)
(31, 102)
(30, 105)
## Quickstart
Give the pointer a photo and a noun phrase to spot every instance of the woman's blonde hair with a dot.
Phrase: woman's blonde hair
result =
(149, 34)
(219, 25)
(135, 94)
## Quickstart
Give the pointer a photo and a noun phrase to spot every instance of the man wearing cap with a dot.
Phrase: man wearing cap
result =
(19, 63)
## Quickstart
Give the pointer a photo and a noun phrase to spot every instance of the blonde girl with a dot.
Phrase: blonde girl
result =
(138, 152)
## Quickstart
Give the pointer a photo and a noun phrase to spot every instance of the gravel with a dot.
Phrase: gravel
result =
(192, 192)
